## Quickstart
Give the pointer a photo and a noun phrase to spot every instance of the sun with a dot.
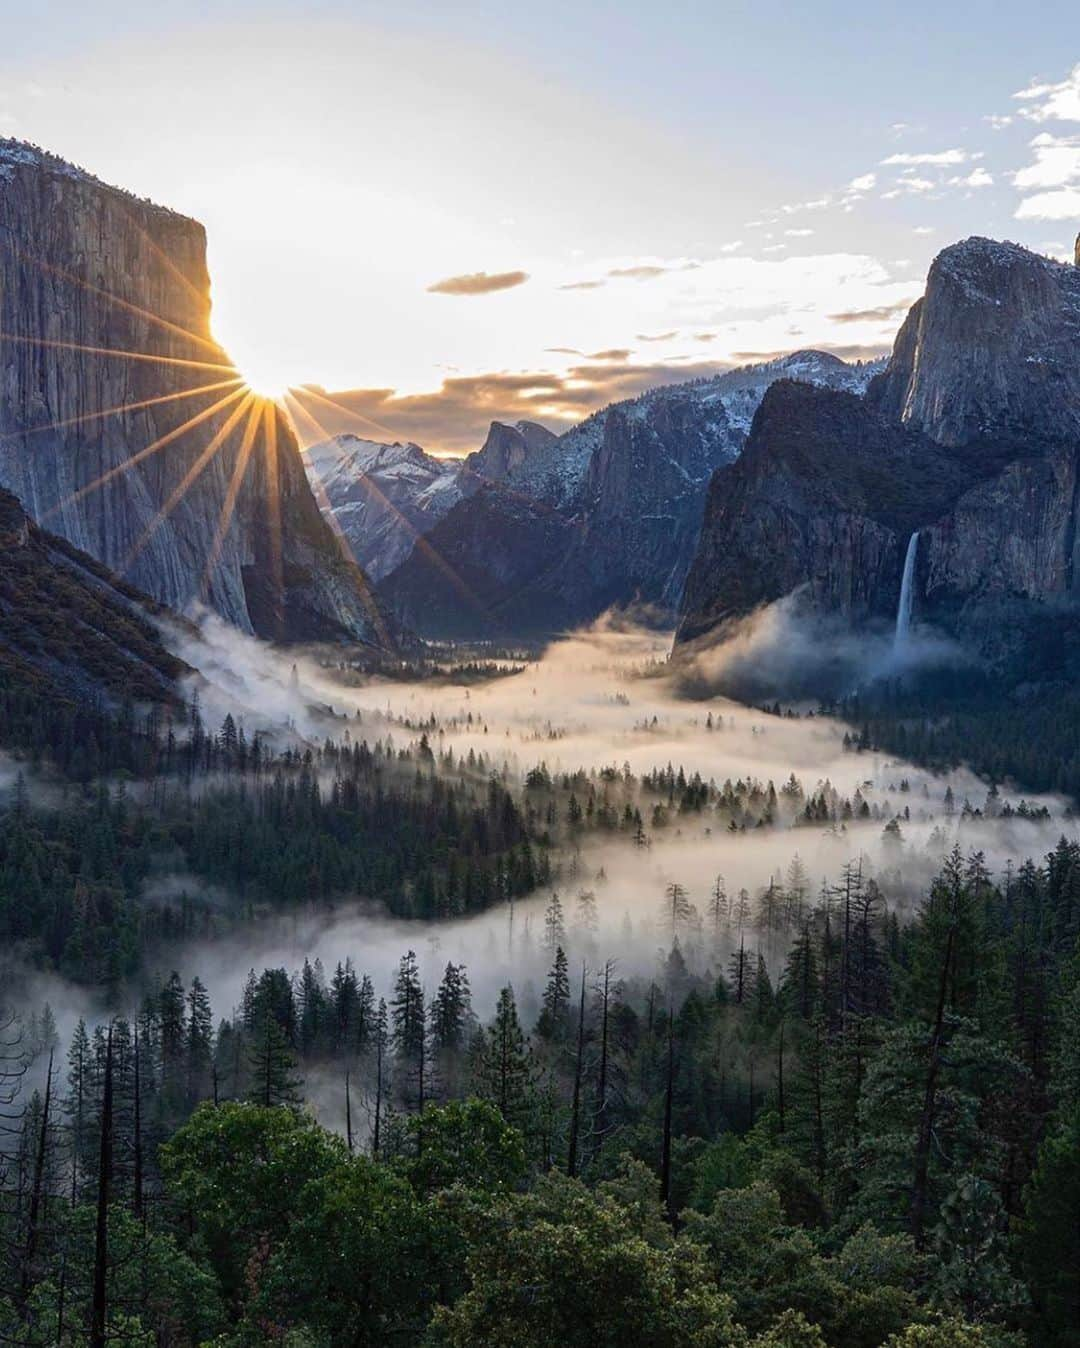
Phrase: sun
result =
(264, 381)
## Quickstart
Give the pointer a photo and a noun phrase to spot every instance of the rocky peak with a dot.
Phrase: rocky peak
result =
(990, 350)
(507, 449)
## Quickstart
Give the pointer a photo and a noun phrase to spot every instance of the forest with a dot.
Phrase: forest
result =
(877, 1147)
(789, 1112)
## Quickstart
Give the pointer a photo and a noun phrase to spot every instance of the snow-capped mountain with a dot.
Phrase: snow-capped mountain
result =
(382, 497)
(550, 531)
(715, 411)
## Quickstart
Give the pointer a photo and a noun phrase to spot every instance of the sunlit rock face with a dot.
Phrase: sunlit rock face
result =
(971, 436)
(105, 305)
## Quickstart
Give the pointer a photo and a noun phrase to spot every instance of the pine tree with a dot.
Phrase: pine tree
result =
(554, 1014)
(408, 1021)
(505, 1066)
(677, 910)
(586, 915)
(271, 1065)
(451, 1016)
(200, 1043)
(554, 925)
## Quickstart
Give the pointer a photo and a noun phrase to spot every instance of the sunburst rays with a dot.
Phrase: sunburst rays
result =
(167, 325)
(124, 409)
(181, 489)
(153, 448)
(236, 419)
(420, 541)
(256, 413)
(114, 353)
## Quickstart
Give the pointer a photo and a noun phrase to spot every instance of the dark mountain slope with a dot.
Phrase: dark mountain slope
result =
(971, 436)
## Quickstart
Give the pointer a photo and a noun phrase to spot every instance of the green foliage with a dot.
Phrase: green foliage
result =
(565, 1265)
(464, 1142)
(237, 1173)
(1051, 1236)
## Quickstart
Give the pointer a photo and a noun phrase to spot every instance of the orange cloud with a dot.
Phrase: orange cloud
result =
(479, 283)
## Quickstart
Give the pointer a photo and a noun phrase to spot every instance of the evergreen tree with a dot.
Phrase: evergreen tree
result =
(504, 1071)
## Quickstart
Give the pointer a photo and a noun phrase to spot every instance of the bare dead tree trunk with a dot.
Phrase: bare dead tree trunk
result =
(36, 1188)
(98, 1311)
(575, 1108)
(137, 1203)
(602, 1075)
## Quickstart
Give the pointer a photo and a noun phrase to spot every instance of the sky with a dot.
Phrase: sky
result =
(501, 210)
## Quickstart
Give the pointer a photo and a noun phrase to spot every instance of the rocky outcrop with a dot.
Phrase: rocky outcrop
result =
(607, 514)
(971, 436)
(508, 449)
(125, 428)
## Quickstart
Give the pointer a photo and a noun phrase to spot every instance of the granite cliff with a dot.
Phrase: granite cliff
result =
(970, 436)
(125, 429)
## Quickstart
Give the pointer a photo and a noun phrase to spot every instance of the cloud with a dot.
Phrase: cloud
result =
(583, 285)
(856, 351)
(881, 314)
(613, 353)
(1055, 170)
(655, 336)
(863, 183)
(998, 122)
(1062, 205)
(1057, 163)
(910, 185)
(732, 247)
(978, 177)
(454, 418)
(798, 233)
(1052, 102)
(644, 272)
(479, 283)
(940, 158)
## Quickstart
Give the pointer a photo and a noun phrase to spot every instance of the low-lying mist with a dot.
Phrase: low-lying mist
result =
(608, 703)
(789, 652)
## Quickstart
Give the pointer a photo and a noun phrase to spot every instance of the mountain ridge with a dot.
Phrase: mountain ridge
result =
(977, 414)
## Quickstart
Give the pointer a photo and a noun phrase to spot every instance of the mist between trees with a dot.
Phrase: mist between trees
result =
(726, 945)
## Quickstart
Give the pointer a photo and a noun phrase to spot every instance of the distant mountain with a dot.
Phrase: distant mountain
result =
(381, 497)
(126, 429)
(551, 531)
(971, 437)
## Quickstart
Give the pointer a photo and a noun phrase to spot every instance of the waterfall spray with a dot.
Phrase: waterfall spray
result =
(907, 594)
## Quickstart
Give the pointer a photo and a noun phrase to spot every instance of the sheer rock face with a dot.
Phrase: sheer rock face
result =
(990, 350)
(971, 436)
(607, 514)
(105, 305)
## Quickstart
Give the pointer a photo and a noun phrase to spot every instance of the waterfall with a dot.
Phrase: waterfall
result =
(907, 593)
